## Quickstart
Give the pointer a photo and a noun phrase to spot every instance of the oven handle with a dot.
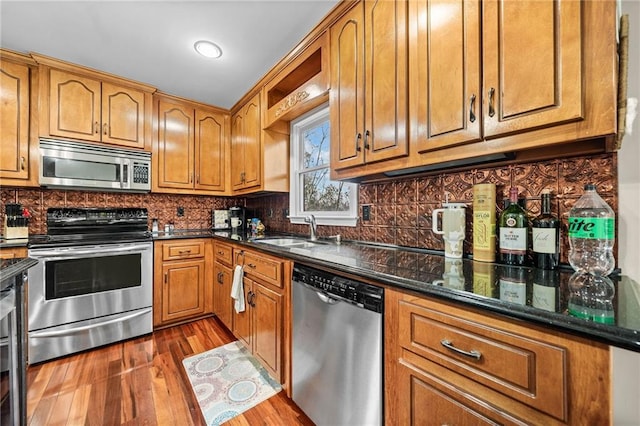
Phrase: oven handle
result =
(88, 327)
(74, 251)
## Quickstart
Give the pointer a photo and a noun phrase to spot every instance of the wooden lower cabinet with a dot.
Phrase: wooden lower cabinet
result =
(449, 364)
(222, 302)
(13, 252)
(182, 283)
(261, 327)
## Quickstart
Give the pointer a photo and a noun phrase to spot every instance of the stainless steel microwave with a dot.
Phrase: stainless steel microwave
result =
(66, 164)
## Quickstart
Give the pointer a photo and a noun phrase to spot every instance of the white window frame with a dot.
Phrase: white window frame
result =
(296, 209)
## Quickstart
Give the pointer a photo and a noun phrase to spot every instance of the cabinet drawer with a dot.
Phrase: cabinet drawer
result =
(490, 352)
(429, 400)
(263, 267)
(183, 250)
(224, 253)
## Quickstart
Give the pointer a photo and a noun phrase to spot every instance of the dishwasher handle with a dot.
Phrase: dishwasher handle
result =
(327, 299)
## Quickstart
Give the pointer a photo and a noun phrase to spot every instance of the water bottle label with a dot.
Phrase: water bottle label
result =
(593, 228)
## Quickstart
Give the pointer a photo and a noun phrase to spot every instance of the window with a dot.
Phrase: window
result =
(312, 192)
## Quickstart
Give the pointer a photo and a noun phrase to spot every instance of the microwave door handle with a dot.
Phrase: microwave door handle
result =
(124, 174)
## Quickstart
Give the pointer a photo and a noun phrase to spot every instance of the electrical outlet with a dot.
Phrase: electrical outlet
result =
(366, 213)
(180, 211)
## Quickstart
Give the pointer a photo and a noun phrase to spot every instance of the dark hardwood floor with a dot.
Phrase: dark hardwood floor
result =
(138, 382)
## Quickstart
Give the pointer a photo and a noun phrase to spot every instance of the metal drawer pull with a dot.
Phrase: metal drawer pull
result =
(251, 265)
(472, 354)
(184, 251)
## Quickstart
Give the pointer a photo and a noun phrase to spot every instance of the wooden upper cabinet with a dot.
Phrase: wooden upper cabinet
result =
(246, 146)
(122, 116)
(210, 147)
(175, 145)
(190, 150)
(85, 108)
(14, 120)
(369, 93)
(446, 99)
(532, 64)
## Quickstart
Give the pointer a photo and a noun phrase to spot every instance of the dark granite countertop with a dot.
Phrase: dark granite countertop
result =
(522, 293)
(9, 268)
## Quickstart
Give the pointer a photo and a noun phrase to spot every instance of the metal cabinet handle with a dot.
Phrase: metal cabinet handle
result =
(241, 252)
(252, 299)
(184, 251)
(472, 353)
(166, 278)
(22, 163)
(366, 139)
(492, 110)
(96, 127)
(472, 107)
(358, 137)
(251, 265)
(104, 128)
(220, 276)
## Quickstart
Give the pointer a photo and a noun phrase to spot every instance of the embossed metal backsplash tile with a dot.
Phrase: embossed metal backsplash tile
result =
(401, 210)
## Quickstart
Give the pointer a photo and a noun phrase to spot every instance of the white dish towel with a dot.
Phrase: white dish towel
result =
(237, 289)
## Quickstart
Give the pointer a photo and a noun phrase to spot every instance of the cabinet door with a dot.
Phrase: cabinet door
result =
(74, 106)
(267, 317)
(237, 150)
(122, 116)
(222, 302)
(242, 321)
(14, 120)
(252, 144)
(423, 400)
(210, 141)
(175, 145)
(446, 74)
(532, 64)
(386, 101)
(183, 290)
(346, 97)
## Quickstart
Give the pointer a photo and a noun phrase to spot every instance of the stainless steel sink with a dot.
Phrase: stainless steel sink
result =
(290, 242)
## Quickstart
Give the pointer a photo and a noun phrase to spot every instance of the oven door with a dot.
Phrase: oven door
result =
(79, 294)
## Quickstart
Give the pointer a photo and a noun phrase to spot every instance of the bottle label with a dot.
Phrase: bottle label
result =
(593, 228)
(544, 240)
(513, 240)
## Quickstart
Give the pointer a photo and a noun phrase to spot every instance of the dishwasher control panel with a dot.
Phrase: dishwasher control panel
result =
(364, 295)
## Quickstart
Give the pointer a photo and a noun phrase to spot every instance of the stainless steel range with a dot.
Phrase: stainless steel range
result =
(93, 283)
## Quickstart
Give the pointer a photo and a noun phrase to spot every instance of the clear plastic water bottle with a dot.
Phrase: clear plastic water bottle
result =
(591, 234)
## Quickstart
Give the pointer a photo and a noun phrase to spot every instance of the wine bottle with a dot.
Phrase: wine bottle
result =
(545, 231)
(513, 232)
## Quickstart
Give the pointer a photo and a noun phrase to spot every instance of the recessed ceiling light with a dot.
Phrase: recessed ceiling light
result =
(207, 49)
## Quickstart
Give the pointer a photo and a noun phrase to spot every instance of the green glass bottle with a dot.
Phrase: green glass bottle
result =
(513, 232)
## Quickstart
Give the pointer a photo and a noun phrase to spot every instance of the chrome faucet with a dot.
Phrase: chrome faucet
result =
(311, 220)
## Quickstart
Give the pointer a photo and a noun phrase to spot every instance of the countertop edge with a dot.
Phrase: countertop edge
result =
(623, 337)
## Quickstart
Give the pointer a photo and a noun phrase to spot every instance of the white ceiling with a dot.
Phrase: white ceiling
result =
(151, 41)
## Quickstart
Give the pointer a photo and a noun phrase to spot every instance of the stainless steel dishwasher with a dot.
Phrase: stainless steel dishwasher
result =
(337, 348)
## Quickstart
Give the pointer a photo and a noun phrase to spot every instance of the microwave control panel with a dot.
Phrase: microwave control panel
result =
(141, 172)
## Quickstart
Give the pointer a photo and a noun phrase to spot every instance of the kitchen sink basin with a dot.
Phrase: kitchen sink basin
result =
(290, 242)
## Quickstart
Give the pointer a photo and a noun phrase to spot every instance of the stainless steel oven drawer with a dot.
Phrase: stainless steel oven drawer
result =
(61, 340)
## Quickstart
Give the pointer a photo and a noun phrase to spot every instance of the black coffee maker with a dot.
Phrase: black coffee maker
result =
(238, 219)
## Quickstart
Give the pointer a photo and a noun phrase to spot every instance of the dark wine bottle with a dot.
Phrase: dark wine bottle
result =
(545, 231)
(513, 232)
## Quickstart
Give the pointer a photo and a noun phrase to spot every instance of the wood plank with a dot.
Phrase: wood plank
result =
(139, 381)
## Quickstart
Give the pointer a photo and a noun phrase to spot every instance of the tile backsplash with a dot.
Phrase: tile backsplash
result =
(400, 209)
